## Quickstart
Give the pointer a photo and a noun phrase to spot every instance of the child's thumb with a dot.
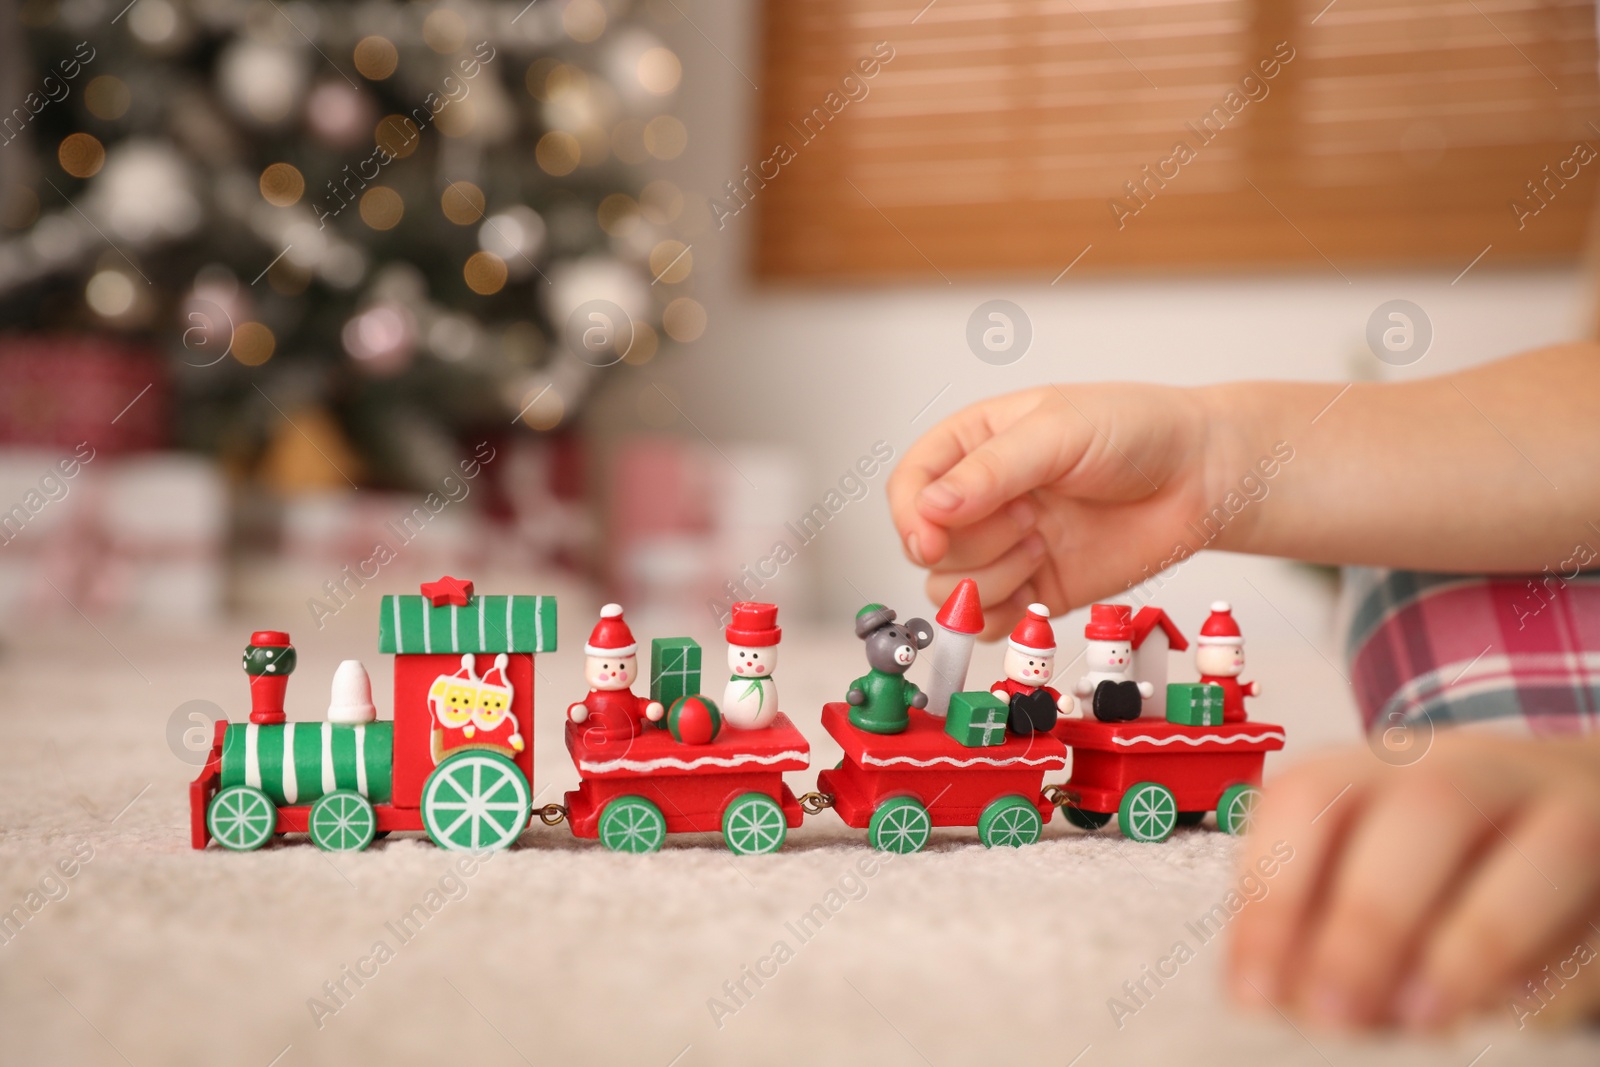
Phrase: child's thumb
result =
(1006, 466)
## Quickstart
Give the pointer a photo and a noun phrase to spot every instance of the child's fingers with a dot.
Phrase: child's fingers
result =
(1533, 886)
(987, 539)
(1374, 914)
(1037, 450)
(935, 453)
(1000, 580)
(1307, 810)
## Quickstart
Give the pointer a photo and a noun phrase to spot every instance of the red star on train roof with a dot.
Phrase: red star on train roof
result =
(448, 590)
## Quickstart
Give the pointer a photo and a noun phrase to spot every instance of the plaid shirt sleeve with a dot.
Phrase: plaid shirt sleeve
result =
(1519, 651)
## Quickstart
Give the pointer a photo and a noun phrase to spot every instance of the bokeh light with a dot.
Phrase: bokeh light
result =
(485, 273)
(543, 408)
(444, 30)
(618, 214)
(107, 97)
(397, 135)
(376, 57)
(282, 184)
(382, 208)
(584, 20)
(253, 344)
(462, 203)
(110, 294)
(665, 137)
(661, 202)
(671, 262)
(645, 343)
(558, 153)
(684, 319)
(659, 70)
(81, 155)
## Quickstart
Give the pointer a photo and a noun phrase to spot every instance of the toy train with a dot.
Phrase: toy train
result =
(456, 761)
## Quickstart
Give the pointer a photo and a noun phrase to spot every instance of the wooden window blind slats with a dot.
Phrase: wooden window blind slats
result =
(1001, 136)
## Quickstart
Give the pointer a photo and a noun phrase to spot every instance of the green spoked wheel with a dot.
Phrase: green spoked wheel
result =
(1086, 820)
(634, 824)
(901, 824)
(1148, 812)
(342, 821)
(754, 825)
(241, 818)
(1237, 806)
(475, 801)
(1010, 821)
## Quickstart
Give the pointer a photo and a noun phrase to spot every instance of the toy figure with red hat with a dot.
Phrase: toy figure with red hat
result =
(1220, 660)
(611, 664)
(1030, 661)
(1107, 689)
(751, 700)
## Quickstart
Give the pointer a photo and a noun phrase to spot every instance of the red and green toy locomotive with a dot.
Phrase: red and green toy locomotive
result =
(456, 761)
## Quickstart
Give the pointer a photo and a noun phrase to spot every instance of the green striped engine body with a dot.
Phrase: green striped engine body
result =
(297, 762)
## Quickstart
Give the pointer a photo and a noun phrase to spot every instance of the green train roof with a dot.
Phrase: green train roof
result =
(411, 624)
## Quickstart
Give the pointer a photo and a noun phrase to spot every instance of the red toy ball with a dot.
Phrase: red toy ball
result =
(694, 720)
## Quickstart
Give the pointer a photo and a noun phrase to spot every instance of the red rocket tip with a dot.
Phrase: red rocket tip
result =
(961, 612)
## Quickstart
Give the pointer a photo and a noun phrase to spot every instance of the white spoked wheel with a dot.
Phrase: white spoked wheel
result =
(753, 825)
(1010, 822)
(901, 824)
(241, 818)
(1237, 807)
(342, 821)
(632, 824)
(1148, 812)
(475, 801)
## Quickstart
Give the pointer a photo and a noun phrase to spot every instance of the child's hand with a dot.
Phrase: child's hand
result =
(1432, 891)
(1060, 495)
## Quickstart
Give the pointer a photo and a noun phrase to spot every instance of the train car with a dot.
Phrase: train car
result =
(632, 793)
(455, 761)
(899, 786)
(1155, 775)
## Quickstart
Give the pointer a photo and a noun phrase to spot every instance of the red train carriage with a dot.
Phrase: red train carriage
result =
(899, 786)
(1156, 775)
(632, 793)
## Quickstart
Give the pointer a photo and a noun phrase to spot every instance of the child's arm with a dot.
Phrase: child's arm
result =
(1424, 893)
(1068, 494)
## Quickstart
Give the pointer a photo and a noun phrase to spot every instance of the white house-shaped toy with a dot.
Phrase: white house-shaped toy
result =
(1154, 635)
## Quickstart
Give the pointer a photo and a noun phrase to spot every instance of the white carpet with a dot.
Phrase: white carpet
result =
(560, 953)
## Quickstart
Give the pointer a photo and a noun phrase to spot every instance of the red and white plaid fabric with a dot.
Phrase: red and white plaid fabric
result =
(1457, 649)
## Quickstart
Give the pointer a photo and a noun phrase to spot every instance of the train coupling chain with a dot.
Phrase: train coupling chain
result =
(1061, 796)
(552, 814)
(813, 803)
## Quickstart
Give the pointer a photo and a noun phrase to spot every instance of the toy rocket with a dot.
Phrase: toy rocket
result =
(957, 627)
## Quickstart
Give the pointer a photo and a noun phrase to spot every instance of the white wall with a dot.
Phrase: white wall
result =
(829, 372)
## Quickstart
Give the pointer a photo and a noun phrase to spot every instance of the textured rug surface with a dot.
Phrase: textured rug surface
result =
(559, 953)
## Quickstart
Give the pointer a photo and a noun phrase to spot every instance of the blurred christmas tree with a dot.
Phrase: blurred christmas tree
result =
(392, 225)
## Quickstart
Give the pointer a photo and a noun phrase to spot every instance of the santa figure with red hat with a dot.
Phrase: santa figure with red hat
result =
(1220, 660)
(1106, 691)
(751, 700)
(1029, 663)
(611, 664)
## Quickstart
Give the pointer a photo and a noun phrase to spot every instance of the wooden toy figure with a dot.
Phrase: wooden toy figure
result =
(1220, 660)
(878, 699)
(751, 700)
(610, 666)
(1107, 690)
(1029, 663)
(959, 623)
(269, 659)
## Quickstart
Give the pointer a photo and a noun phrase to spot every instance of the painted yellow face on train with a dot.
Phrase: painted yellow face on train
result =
(491, 710)
(453, 702)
